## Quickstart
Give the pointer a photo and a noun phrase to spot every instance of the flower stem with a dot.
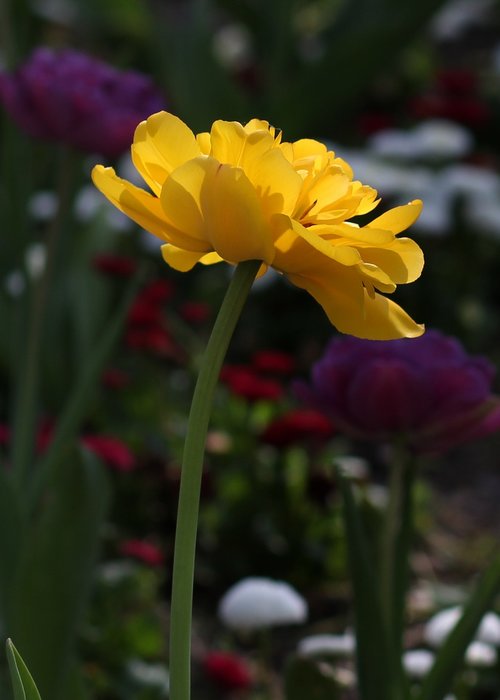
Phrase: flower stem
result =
(192, 466)
(395, 553)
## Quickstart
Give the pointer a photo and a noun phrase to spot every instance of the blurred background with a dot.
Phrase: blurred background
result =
(100, 341)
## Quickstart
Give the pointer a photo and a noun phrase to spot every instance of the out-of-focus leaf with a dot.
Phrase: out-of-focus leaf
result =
(55, 571)
(450, 657)
(305, 678)
(365, 38)
(11, 528)
(22, 681)
(200, 88)
(376, 678)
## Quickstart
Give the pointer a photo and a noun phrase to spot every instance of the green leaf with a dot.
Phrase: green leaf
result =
(77, 405)
(11, 530)
(450, 657)
(305, 678)
(22, 680)
(375, 677)
(55, 571)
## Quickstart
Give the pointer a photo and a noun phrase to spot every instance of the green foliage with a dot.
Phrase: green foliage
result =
(22, 681)
(305, 678)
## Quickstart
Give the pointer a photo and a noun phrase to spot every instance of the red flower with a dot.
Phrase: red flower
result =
(157, 292)
(155, 339)
(115, 379)
(298, 426)
(195, 311)
(273, 362)
(245, 382)
(111, 450)
(227, 670)
(4, 434)
(143, 551)
(115, 265)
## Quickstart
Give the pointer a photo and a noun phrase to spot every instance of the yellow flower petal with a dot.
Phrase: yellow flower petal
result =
(161, 143)
(232, 144)
(351, 310)
(399, 218)
(137, 204)
(184, 260)
(236, 226)
(276, 182)
(402, 259)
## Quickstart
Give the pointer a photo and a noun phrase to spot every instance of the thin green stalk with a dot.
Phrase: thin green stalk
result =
(25, 408)
(396, 545)
(189, 496)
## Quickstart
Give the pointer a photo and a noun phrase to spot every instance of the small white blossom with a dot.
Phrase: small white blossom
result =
(256, 603)
(152, 674)
(42, 206)
(328, 644)
(352, 467)
(481, 654)
(418, 662)
(440, 626)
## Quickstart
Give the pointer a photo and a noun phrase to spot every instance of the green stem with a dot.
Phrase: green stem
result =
(395, 554)
(189, 496)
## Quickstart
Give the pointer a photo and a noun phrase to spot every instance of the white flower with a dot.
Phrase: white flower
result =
(256, 603)
(352, 467)
(456, 16)
(481, 654)
(434, 138)
(440, 626)
(152, 674)
(232, 46)
(89, 203)
(418, 662)
(35, 259)
(42, 206)
(331, 644)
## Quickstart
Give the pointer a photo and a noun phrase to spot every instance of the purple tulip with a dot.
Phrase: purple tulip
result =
(426, 389)
(70, 97)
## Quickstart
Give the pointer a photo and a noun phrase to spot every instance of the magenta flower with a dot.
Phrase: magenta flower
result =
(70, 97)
(426, 390)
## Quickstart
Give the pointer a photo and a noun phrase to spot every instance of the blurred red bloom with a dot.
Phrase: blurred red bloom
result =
(454, 96)
(157, 292)
(245, 382)
(115, 265)
(273, 362)
(143, 551)
(4, 434)
(298, 426)
(111, 450)
(227, 670)
(154, 339)
(195, 311)
(115, 379)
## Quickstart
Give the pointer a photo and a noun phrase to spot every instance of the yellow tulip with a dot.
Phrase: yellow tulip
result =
(240, 193)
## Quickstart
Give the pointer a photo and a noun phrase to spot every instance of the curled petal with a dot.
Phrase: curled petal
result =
(399, 218)
(184, 260)
(352, 310)
(402, 259)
